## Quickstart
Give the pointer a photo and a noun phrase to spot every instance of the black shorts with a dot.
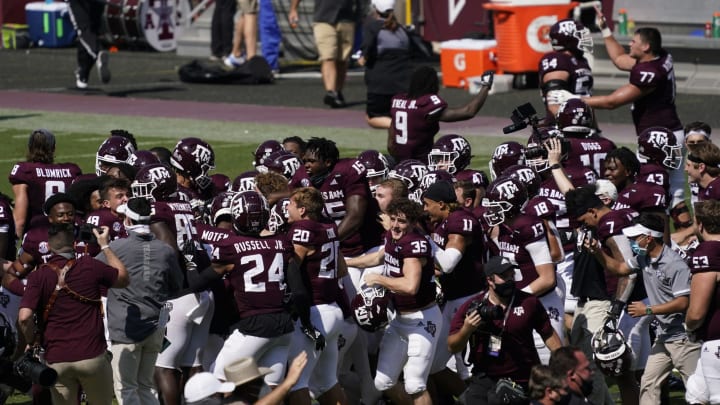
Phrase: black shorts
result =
(378, 105)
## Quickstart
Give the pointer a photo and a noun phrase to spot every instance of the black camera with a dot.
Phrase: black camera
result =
(522, 116)
(30, 368)
(85, 233)
(487, 312)
(540, 152)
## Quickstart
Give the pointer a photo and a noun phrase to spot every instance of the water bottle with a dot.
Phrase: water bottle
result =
(708, 30)
(622, 22)
(716, 25)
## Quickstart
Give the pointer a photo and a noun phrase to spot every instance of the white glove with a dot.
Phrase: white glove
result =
(487, 78)
(558, 97)
(601, 23)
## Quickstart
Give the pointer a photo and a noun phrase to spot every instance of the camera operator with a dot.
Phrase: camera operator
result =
(498, 323)
(65, 294)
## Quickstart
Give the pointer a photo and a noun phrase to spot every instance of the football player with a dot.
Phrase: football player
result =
(411, 339)
(257, 268)
(113, 193)
(317, 249)
(38, 178)
(459, 257)
(112, 152)
(416, 114)
(565, 67)
(587, 147)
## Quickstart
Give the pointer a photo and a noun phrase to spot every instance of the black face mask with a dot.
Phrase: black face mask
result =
(506, 289)
(565, 399)
(586, 387)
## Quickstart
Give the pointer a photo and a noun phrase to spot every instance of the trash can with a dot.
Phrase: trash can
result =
(521, 30)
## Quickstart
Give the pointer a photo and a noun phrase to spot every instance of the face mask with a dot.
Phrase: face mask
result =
(586, 387)
(565, 399)
(639, 251)
(505, 289)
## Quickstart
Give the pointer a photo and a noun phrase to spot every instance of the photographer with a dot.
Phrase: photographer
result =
(498, 323)
(65, 294)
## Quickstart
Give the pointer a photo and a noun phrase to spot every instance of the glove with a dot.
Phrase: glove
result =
(616, 309)
(188, 254)
(314, 335)
(601, 23)
(557, 97)
(487, 78)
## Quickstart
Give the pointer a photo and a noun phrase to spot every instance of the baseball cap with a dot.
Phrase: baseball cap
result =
(244, 370)
(203, 385)
(643, 225)
(383, 6)
(498, 265)
(55, 199)
(606, 189)
(137, 209)
(441, 191)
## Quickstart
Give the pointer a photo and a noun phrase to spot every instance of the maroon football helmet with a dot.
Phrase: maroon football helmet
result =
(504, 199)
(570, 35)
(220, 183)
(370, 308)
(526, 175)
(279, 216)
(250, 212)
(245, 181)
(264, 150)
(220, 206)
(376, 165)
(434, 176)
(575, 118)
(659, 144)
(280, 161)
(505, 155)
(450, 152)
(477, 177)
(154, 182)
(112, 152)
(194, 158)
(142, 158)
(536, 155)
(410, 172)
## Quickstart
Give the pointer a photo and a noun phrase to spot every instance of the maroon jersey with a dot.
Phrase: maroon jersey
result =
(258, 278)
(43, 180)
(612, 224)
(178, 216)
(706, 258)
(35, 244)
(579, 176)
(210, 235)
(711, 192)
(658, 107)
(413, 125)
(468, 276)
(580, 79)
(540, 207)
(641, 197)
(654, 173)
(347, 178)
(7, 226)
(512, 243)
(105, 217)
(320, 265)
(412, 245)
(517, 353)
(589, 152)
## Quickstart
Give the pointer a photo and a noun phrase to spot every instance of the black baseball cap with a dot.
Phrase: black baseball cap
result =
(498, 265)
(441, 191)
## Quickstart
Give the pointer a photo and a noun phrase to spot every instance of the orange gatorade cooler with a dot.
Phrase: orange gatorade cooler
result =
(464, 58)
(521, 30)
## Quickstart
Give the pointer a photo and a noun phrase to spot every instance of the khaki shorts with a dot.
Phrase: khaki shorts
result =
(247, 6)
(334, 42)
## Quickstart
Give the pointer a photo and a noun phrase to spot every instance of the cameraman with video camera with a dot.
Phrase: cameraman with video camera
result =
(498, 323)
(64, 296)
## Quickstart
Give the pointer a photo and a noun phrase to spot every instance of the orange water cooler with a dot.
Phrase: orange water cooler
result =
(521, 31)
(461, 59)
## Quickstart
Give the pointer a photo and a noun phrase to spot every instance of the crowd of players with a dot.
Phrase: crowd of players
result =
(411, 276)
